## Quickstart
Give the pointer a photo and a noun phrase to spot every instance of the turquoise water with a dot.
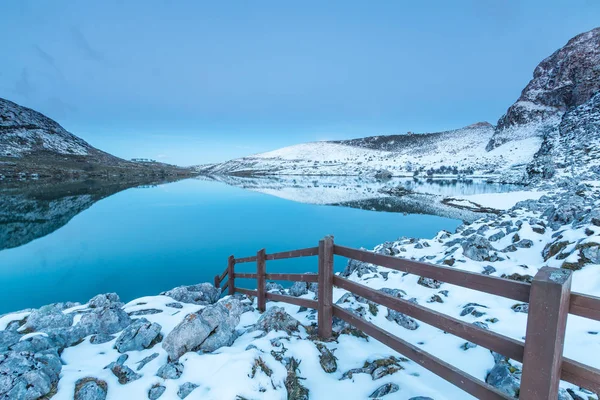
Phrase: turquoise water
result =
(143, 241)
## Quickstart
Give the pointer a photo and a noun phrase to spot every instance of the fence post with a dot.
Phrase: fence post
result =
(230, 272)
(544, 340)
(260, 279)
(217, 281)
(325, 304)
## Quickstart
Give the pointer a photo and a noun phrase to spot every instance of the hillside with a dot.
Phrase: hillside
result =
(551, 130)
(33, 145)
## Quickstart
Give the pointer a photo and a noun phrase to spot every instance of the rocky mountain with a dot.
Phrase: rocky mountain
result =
(551, 130)
(32, 144)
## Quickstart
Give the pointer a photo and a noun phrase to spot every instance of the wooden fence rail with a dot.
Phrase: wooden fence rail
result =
(549, 296)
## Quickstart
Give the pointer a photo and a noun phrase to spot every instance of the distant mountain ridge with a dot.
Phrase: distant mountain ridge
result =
(551, 130)
(32, 144)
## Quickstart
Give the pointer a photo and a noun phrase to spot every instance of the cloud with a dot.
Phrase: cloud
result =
(23, 87)
(85, 47)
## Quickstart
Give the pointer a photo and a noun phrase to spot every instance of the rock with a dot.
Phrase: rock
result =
(140, 335)
(28, 376)
(207, 330)
(276, 319)
(142, 363)
(101, 338)
(105, 320)
(298, 289)
(105, 300)
(420, 398)
(35, 344)
(524, 244)
(48, 317)
(186, 389)
(522, 308)
(123, 373)
(361, 268)
(174, 305)
(384, 390)
(90, 389)
(156, 391)
(149, 311)
(430, 283)
(488, 270)
(7, 339)
(274, 287)
(477, 248)
(402, 319)
(202, 294)
(590, 252)
(327, 360)
(172, 370)
(502, 378)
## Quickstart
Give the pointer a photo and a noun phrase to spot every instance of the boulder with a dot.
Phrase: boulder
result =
(140, 335)
(105, 300)
(7, 339)
(384, 390)
(477, 248)
(105, 320)
(90, 389)
(156, 391)
(502, 378)
(276, 319)
(47, 317)
(202, 294)
(327, 360)
(361, 268)
(298, 289)
(101, 338)
(186, 389)
(28, 376)
(172, 370)
(207, 330)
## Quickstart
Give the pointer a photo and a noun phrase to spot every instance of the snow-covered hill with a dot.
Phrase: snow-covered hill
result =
(456, 152)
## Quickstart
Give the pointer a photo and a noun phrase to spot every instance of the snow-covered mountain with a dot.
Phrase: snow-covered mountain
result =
(460, 151)
(551, 129)
(33, 144)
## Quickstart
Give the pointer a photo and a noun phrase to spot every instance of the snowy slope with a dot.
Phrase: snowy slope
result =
(460, 151)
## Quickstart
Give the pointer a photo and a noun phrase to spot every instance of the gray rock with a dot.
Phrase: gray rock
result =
(174, 305)
(384, 390)
(28, 376)
(149, 311)
(47, 317)
(34, 344)
(361, 268)
(186, 389)
(142, 363)
(522, 308)
(402, 319)
(172, 370)
(524, 244)
(276, 319)
(105, 300)
(202, 294)
(105, 320)
(430, 283)
(207, 330)
(477, 248)
(7, 339)
(140, 335)
(123, 373)
(488, 270)
(503, 379)
(156, 391)
(90, 389)
(101, 338)
(591, 253)
(274, 287)
(298, 289)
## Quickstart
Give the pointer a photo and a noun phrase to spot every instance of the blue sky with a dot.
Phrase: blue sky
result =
(189, 82)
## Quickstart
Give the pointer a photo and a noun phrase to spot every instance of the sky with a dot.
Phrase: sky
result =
(193, 82)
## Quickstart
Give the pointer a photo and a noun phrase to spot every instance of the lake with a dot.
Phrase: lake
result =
(141, 241)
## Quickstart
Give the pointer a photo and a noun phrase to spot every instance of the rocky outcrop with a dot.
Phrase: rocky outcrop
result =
(566, 79)
(26, 375)
(202, 294)
(140, 335)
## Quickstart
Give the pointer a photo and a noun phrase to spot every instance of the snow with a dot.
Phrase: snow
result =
(501, 201)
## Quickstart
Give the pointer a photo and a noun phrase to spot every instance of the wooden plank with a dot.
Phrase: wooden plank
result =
(247, 292)
(325, 290)
(483, 283)
(545, 336)
(311, 251)
(224, 274)
(461, 379)
(245, 276)
(225, 286)
(293, 300)
(231, 273)
(245, 260)
(581, 375)
(293, 277)
(585, 306)
(491, 340)
(260, 279)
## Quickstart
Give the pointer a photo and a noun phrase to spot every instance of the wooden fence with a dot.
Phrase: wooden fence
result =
(549, 297)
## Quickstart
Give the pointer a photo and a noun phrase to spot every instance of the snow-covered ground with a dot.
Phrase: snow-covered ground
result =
(285, 359)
